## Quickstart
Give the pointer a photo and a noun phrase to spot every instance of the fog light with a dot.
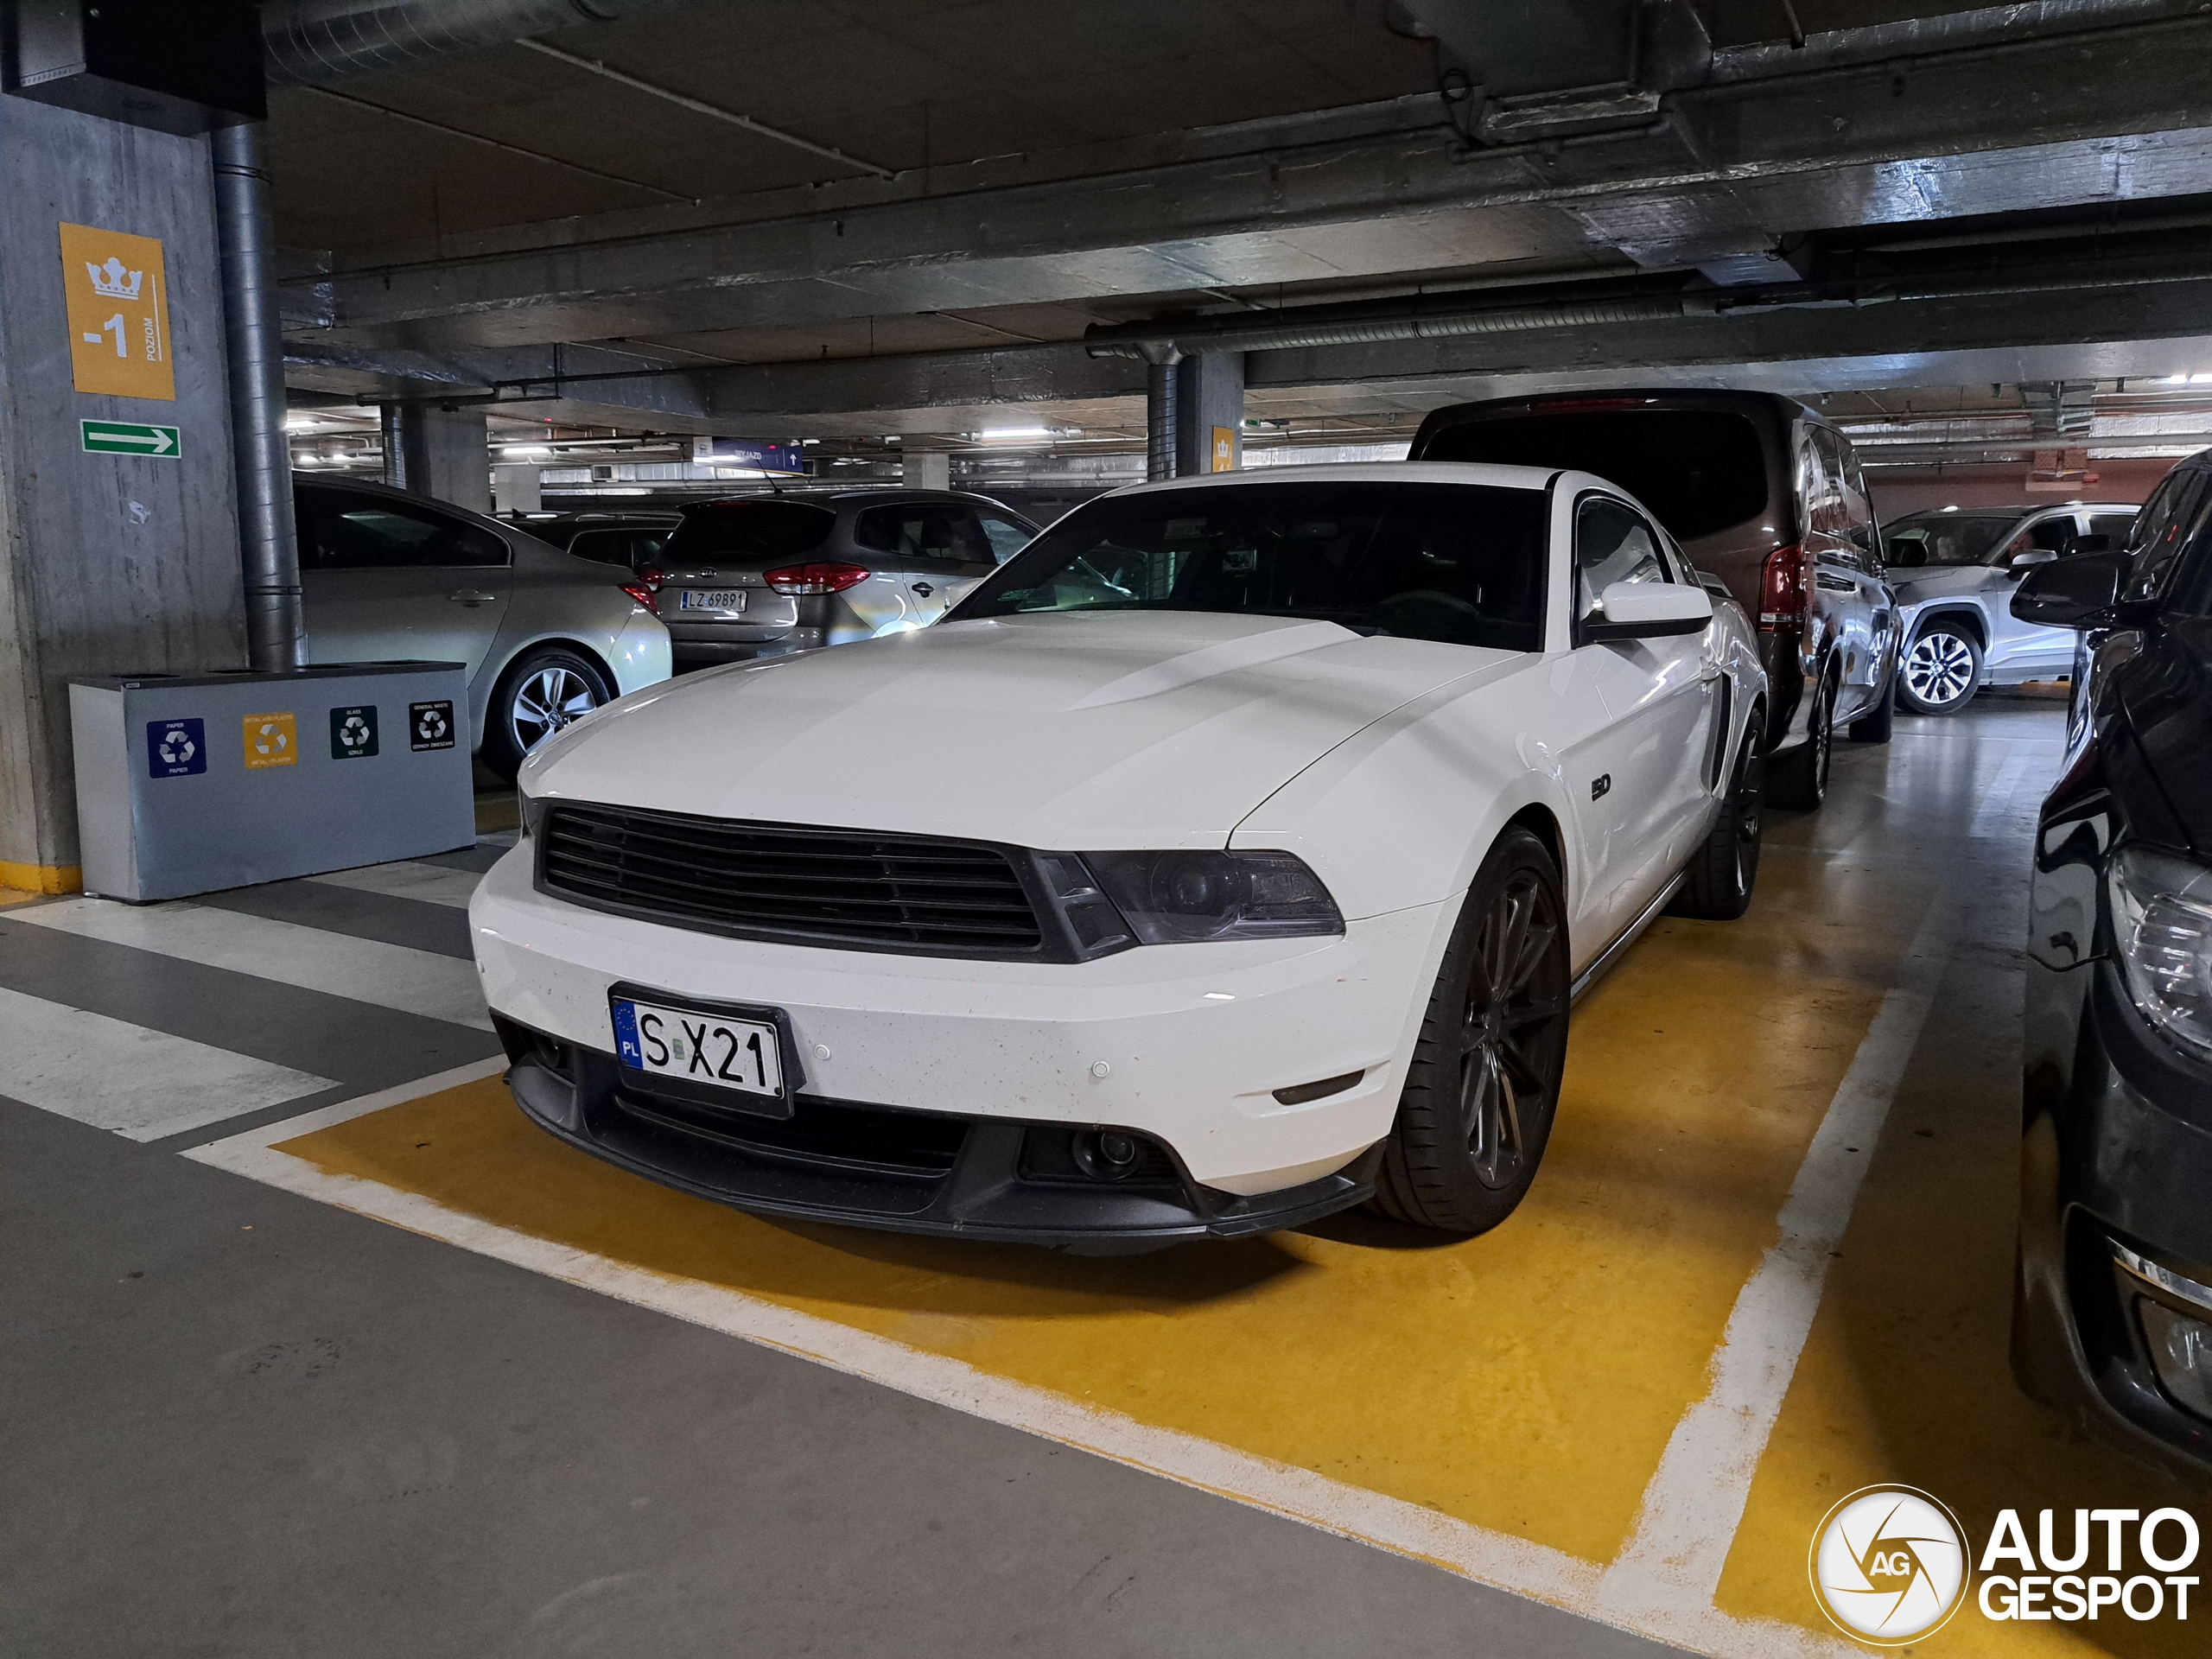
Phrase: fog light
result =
(1108, 1154)
(2180, 1353)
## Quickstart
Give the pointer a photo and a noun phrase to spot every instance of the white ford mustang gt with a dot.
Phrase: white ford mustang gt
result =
(1232, 857)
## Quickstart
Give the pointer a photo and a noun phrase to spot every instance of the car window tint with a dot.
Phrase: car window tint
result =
(2113, 526)
(1612, 543)
(342, 530)
(1460, 563)
(1947, 539)
(2165, 527)
(608, 546)
(1006, 536)
(940, 530)
(1699, 471)
(751, 528)
(2050, 534)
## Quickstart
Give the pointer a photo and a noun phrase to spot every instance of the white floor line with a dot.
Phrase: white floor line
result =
(367, 970)
(1496, 1558)
(1994, 817)
(137, 1081)
(433, 884)
(1665, 1579)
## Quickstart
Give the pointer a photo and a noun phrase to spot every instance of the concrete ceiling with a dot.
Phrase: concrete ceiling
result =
(1051, 168)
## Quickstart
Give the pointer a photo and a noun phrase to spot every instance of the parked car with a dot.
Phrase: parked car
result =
(632, 540)
(762, 576)
(1955, 572)
(1231, 856)
(547, 637)
(1763, 493)
(2113, 1321)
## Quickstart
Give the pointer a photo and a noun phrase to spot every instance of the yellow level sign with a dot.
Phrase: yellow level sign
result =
(118, 292)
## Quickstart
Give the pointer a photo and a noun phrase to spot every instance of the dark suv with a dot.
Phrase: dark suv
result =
(2112, 1317)
(759, 576)
(1767, 496)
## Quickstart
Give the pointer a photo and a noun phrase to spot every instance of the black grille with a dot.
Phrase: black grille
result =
(765, 881)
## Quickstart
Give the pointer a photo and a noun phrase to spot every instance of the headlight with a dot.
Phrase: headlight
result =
(1183, 897)
(2162, 924)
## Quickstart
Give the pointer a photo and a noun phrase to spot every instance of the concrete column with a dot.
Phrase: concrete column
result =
(109, 563)
(1210, 414)
(923, 469)
(1161, 384)
(438, 452)
(516, 487)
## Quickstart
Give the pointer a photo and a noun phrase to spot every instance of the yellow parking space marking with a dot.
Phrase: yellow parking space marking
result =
(1516, 1390)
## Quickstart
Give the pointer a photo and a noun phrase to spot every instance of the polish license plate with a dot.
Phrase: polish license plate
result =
(710, 599)
(718, 1050)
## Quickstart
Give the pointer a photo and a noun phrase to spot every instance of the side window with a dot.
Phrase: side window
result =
(1856, 502)
(1823, 480)
(941, 530)
(608, 546)
(339, 530)
(2164, 527)
(1612, 543)
(1007, 538)
(2049, 535)
(2112, 526)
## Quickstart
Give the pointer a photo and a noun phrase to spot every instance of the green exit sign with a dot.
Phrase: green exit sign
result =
(128, 438)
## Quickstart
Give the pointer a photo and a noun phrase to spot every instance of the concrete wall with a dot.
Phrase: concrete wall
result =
(108, 563)
(2006, 486)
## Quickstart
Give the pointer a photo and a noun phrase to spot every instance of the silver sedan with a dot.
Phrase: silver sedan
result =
(547, 638)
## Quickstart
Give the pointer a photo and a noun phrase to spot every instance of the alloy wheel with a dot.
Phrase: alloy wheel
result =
(1939, 670)
(1509, 1010)
(548, 701)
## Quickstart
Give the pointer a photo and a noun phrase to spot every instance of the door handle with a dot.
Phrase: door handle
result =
(471, 597)
(924, 589)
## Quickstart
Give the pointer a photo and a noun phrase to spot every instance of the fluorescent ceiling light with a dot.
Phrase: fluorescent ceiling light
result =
(1002, 433)
(302, 423)
(524, 451)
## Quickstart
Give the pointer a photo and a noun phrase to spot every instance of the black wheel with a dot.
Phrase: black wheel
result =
(1876, 724)
(1939, 671)
(542, 692)
(1799, 779)
(1484, 1085)
(1725, 867)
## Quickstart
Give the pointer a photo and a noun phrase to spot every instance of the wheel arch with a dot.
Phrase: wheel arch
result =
(1969, 616)
(1536, 819)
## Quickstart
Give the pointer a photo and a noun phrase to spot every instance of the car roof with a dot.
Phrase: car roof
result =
(1368, 471)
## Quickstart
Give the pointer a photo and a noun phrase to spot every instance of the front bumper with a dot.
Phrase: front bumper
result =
(2116, 1162)
(1182, 1045)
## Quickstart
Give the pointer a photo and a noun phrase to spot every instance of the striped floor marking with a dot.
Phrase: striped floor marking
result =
(433, 884)
(367, 970)
(140, 1083)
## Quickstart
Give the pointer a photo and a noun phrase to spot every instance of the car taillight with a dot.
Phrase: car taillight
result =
(815, 578)
(652, 579)
(1786, 588)
(642, 592)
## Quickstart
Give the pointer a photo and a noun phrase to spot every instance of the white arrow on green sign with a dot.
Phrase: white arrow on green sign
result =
(128, 438)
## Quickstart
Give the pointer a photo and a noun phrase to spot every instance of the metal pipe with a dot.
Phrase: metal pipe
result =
(1159, 388)
(311, 42)
(275, 632)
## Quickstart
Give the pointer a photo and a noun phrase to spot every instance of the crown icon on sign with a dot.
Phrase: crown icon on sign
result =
(111, 281)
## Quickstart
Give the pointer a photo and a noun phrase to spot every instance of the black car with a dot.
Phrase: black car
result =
(632, 540)
(2112, 1317)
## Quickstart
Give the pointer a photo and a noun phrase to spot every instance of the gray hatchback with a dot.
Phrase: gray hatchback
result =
(760, 575)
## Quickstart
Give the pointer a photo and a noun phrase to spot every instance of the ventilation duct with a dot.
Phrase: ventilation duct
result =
(313, 41)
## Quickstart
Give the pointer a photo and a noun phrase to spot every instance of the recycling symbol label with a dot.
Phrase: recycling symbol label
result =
(430, 726)
(175, 748)
(271, 740)
(354, 732)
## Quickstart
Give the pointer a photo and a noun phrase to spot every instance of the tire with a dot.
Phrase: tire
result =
(1940, 671)
(1484, 1086)
(1876, 725)
(1799, 781)
(1725, 867)
(542, 692)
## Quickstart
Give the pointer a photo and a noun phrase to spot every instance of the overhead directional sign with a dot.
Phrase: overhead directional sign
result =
(128, 438)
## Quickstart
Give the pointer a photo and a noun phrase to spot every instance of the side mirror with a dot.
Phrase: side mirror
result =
(2079, 592)
(1648, 610)
(2021, 563)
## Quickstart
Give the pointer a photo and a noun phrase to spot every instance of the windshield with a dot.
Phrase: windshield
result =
(1456, 563)
(1699, 471)
(1946, 538)
(773, 529)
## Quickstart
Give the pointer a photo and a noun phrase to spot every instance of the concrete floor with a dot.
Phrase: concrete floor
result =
(241, 1420)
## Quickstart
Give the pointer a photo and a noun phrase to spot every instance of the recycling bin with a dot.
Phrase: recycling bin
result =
(193, 782)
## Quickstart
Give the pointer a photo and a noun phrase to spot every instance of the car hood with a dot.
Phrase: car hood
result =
(1944, 584)
(1068, 732)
